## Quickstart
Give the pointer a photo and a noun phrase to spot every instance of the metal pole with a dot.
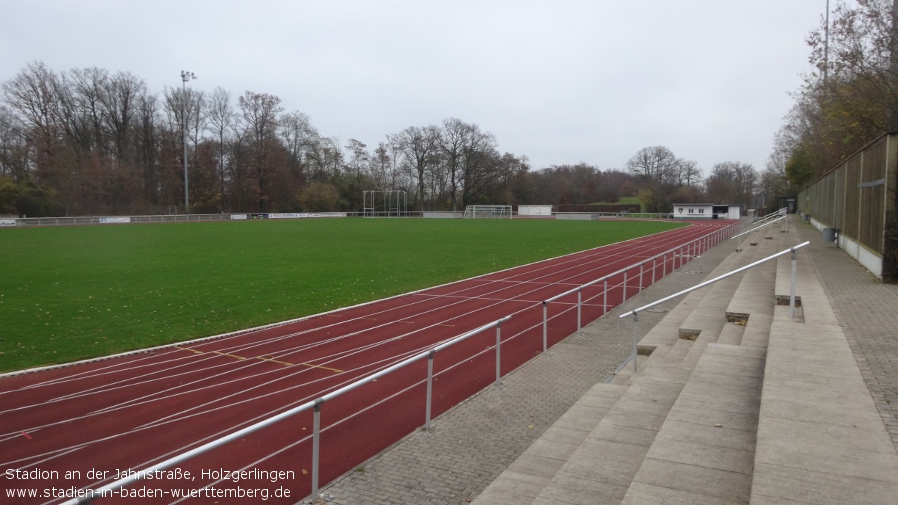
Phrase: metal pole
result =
(185, 76)
(625, 288)
(545, 325)
(664, 267)
(429, 389)
(579, 309)
(316, 445)
(635, 331)
(653, 271)
(498, 354)
(605, 298)
(639, 288)
(792, 287)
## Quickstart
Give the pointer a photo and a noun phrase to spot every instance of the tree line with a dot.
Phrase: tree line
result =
(850, 97)
(89, 141)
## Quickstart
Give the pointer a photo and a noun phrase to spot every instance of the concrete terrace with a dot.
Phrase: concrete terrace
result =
(734, 401)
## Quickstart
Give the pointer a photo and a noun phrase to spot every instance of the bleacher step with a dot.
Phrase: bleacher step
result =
(600, 470)
(522, 481)
(666, 331)
(821, 438)
(704, 451)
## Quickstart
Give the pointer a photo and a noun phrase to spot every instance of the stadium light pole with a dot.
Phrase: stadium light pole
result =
(185, 76)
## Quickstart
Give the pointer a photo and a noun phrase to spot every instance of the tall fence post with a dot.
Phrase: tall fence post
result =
(545, 326)
(653, 271)
(429, 389)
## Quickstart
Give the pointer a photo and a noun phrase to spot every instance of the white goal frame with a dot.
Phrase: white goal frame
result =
(384, 203)
(488, 212)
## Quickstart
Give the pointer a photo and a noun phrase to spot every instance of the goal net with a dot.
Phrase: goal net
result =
(488, 212)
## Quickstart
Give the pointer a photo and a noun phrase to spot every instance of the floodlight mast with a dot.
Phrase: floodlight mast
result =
(185, 76)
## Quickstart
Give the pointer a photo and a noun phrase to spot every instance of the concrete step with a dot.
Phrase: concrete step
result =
(522, 481)
(732, 333)
(623, 375)
(821, 438)
(707, 321)
(666, 332)
(705, 448)
(755, 293)
(600, 470)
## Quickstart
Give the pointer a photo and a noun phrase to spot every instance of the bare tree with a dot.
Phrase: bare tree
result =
(259, 117)
(732, 182)
(222, 120)
(656, 163)
(33, 94)
(688, 173)
(418, 145)
(300, 138)
(452, 141)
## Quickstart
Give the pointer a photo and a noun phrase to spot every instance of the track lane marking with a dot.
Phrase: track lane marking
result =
(263, 358)
(322, 367)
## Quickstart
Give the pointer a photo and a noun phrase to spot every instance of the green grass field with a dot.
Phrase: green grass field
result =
(71, 293)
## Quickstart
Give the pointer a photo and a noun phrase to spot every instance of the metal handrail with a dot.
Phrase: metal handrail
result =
(698, 243)
(636, 311)
(779, 213)
(712, 281)
(103, 491)
(757, 227)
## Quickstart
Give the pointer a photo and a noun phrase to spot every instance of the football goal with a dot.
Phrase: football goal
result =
(488, 212)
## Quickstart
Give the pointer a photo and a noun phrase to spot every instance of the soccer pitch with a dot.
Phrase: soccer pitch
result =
(72, 293)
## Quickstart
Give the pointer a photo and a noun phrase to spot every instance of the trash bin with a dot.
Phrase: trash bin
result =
(829, 234)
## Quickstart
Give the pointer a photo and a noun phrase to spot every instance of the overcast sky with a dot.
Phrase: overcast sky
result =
(560, 81)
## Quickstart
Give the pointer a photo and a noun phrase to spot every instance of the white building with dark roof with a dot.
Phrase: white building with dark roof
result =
(706, 211)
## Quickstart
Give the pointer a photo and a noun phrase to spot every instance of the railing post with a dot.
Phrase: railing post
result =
(429, 389)
(635, 332)
(579, 309)
(664, 267)
(316, 446)
(625, 288)
(792, 286)
(653, 271)
(639, 288)
(498, 354)
(545, 326)
(605, 298)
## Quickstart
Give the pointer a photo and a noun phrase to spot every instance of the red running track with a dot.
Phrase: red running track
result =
(78, 427)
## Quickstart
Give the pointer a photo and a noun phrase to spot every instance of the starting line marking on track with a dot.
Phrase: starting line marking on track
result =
(228, 355)
(438, 324)
(322, 367)
(263, 358)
